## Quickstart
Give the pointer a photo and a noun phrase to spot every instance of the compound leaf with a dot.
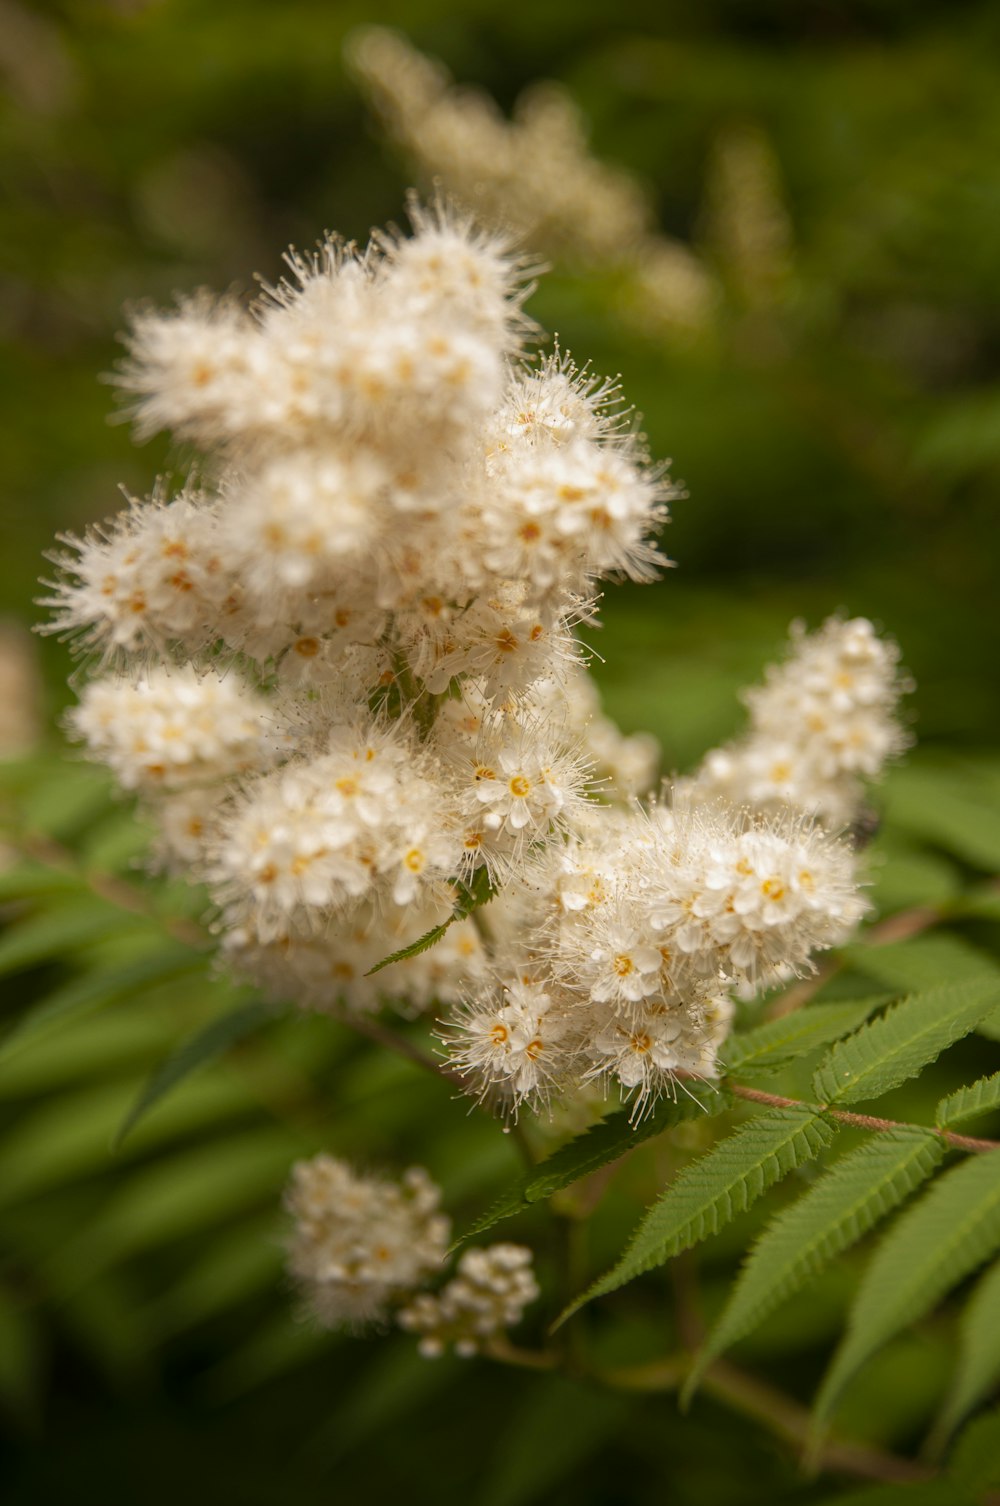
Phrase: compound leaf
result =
(848, 1200)
(953, 1229)
(714, 1189)
(904, 1040)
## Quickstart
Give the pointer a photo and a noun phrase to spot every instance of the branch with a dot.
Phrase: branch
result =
(782, 1416)
(863, 1121)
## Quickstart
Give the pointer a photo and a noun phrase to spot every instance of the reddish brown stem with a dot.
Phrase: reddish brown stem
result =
(863, 1121)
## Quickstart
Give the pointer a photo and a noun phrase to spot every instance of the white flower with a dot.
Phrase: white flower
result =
(522, 779)
(824, 721)
(193, 370)
(649, 1052)
(151, 575)
(510, 1043)
(489, 1293)
(174, 727)
(359, 1244)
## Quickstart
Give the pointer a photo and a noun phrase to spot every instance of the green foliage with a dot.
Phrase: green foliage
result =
(978, 1367)
(958, 813)
(148, 148)
(904, 1040)
(968, 1103)
(975, 1460)
(211, 1042)
(714, 1189)
(600, 1145)
(95, 990)
(479, 892)
(953, 1229)
(839, 1209)
(768, 1047)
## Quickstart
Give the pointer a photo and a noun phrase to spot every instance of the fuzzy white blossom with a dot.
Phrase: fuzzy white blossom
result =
(173, 728)
(489, 1294)
(360, 1244)
(363, 1246)
(823, 722)
(345, 678)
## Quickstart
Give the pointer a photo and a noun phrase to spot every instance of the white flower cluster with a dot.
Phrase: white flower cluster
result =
(359, 1243)
(346, 681)
(489, 1294)
(361, 1247)
(824, 722)
(537, 172)
(644, 924)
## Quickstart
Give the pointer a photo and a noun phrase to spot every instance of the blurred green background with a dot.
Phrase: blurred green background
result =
(840, 444)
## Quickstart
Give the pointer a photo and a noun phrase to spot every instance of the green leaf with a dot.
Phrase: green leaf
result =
(714, 1189)
(554, 1426)
(185, 1193)
(779, 1041)
(479, 892)
(27, 880)
(919, 1493)
(230, 1268)
(978, 1098)
(975, 1460)
(978, 1368)
(946, 808)
(95, 990)
(921, 961)
(61, 931)
(901, 1042)
(848, 1200)
(20, 1354)
(66, 1138)
(205, 1046)
(953, 1229)
(597, 1147)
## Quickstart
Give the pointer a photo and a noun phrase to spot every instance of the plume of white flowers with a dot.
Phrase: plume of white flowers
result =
(362, 1246)
(489, 1294)
(537, 172)
(823, 724)
(345, 679)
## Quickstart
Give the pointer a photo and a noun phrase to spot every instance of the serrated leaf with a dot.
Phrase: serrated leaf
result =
(779, 1041)
(597, 1147)
(714, 1189)
(471, 897)
(904, 1040)
(966, 1103)
(977, 1372)
(848, 1200)
(206, 1045)
(95, 990)
(953, 1229)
